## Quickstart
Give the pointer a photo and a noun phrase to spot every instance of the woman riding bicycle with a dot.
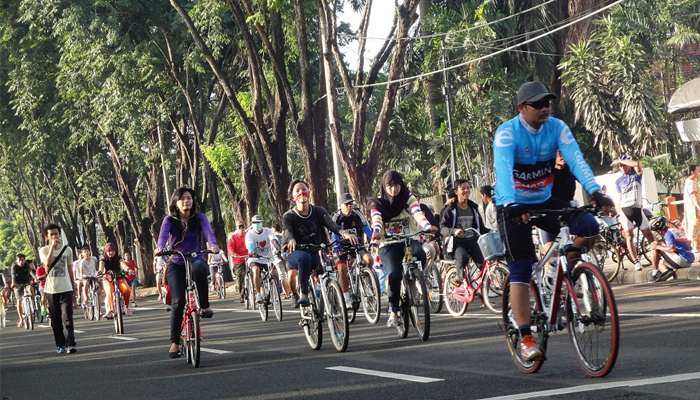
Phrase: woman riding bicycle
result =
(396, 211)
(304, 224)
(183, 229)
(112, 263)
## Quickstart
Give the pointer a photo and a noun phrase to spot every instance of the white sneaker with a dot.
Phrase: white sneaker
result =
(392, 322)
(127, 312)
(638, 266)
(258, 298)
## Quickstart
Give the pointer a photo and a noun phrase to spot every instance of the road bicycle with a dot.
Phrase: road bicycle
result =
(36, 304)
(117, 301)
(190, 329)
(93, 309)
(363, 285)
(326, 301)
(413, 298)
(580, 298)
(218, 281)
(269, 289)
(487, 279)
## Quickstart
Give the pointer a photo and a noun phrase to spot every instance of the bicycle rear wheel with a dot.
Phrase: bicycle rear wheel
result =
(404, 310)
(337, 317)
(193, 339)
(455, 307)
(97, 308)
(221, 286)
(27, 313)
(610, 259)
(592, 320)
(118, 312)
(370, 296)
(433, 281)
(492, 287)
(420, 305)
(249, 293)
(311, 323)
(275, 298)
(510, 328)
(354, 289)
(264, 306)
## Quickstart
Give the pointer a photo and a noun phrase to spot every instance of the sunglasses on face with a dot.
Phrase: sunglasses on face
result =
(539, 105)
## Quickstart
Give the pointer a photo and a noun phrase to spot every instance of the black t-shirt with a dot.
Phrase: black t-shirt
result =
(308, 229)
(353, 223)
(564, 186)
(22, 273)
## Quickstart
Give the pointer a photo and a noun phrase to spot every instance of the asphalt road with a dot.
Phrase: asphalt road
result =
(246, 358)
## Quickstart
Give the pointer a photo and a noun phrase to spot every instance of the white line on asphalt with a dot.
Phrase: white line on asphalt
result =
(601, 386)
(124, 338)
(412, 378)
(661, 315)
(47, 326)
(691, 298)
(215, 351)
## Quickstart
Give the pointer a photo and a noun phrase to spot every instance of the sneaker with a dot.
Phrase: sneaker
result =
(108, 315)
(295, 300)
(664, 276)
(637, 266)
(654, 275)
(529, 350)
(259, 298)
(61, 350)
(393, 321)
(303, 301)
(127, 311)
(72, 349)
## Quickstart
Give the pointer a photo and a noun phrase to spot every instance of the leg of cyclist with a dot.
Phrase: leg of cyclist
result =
(586, 229)
(123, 286)
(109, 306)
(159, 279)
(301, 261)
(18, 295)
(391, 257)
(176, 281)
(212, 277)
(239, 273)
(461, 255)
(199, 276)
(342, 265)
(367, 258)
(255, 268)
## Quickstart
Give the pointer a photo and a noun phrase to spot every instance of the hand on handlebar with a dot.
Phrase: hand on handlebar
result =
(291, 245)
(377, 236)
(433, 229)
(605, 203)
(158, 251)
(516, 213)
(351, 238)
(215, 249)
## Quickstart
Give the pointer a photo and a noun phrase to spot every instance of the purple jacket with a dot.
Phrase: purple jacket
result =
(171, 232)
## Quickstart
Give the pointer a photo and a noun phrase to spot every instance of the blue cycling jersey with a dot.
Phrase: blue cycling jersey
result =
(524, 160)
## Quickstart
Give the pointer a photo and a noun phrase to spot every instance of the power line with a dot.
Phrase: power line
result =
(494, 53)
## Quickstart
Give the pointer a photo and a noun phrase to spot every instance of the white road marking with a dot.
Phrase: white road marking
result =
(691, 298)
(77, 331)
(124, 338)
(148, 308)
(412, 378)
(600, 386)
(215, 351)
(678, 315)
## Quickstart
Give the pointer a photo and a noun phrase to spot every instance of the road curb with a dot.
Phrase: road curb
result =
(631, 276)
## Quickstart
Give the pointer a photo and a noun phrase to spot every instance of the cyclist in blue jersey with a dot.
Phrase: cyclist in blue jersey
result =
(525, 150)
(676, 252)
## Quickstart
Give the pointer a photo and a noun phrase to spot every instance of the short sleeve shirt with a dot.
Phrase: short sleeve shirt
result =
(676, 237)
(58, 279)
(630, 187)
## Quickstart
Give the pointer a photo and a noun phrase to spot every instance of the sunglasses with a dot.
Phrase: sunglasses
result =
(539, 105)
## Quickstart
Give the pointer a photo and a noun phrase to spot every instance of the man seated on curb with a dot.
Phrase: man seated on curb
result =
(676, 252)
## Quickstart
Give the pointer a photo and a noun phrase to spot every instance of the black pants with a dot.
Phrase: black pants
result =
(392, 260)
(463, 251)
(177, 281)
(61, 311)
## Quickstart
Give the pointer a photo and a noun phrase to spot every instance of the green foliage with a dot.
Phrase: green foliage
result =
(13, 242)
(665, 171)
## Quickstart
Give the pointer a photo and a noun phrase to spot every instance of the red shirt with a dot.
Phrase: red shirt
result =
(236, 245)
(41, 271)
(132, 267)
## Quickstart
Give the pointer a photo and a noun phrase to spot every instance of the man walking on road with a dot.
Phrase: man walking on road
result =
(236, 247)
(59, 288)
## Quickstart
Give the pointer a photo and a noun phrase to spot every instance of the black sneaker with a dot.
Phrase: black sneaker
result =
(665, 275)
(295, 300)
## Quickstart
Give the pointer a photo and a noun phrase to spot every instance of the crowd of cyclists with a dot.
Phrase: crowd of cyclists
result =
(538, 162)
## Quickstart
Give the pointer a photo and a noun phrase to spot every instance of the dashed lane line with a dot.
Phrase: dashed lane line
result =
(127, 338)
(384, 374)
(215, 351)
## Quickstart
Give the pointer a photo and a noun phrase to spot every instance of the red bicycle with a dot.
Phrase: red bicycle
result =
(190, 330)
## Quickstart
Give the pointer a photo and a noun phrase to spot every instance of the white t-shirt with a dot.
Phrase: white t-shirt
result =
(216, 258)
(77, 274)
(58, 279)
(261, 244)
(89, 267)
(160, 263)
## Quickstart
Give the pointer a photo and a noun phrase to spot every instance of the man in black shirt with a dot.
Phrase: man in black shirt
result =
(22, 276)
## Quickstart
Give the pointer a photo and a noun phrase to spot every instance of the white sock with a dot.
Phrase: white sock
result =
(346, 295)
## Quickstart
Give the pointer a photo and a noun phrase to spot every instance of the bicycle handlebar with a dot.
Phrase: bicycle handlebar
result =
(563, 212)
(185, 255)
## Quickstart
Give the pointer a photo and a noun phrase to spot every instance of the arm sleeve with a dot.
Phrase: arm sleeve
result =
(377, 222)
(164, 232)
(249, 245)
(574, 158)
(446, 222)
(206, 229)
(414, 207)
(287, 227)
(503, 159)
(328, 221)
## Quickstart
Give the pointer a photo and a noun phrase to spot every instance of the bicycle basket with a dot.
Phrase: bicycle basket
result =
(491, 245)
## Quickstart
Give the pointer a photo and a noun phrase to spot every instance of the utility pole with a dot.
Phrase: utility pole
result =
(162, 164)
(446, 92)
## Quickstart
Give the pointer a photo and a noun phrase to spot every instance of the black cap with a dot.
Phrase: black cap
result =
(533, 91)
(346, 198)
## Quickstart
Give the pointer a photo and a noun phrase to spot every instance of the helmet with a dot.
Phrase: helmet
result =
(256, 218)
(658, 224)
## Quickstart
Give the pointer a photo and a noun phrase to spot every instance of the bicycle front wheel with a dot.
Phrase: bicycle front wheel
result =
(455, 306)
(492, 287)
(249, 295)
(275, 298)
(433, 281)
(337, 316)
(420, 305)
(510, 328)
(27, 313)
(193, 339)
(264, 306)
(311, 322)
(611, 262)
(118, 312)
(591, 314)
(404, 310)
(370, 295)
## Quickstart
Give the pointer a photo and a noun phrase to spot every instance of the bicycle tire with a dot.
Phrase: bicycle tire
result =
(596, 319)
(642, 244)
(249, 295)
(512, 334)
(434, 284)
(354, 289)
(455, 307)
(275, 298)
(118, 316)
(370, 296)
(89, 309)
(492, 287)
(616, 259)
(312, 327)
(97, 307)
(37, 307)
(263, 307)
(27, 313)
(337, 317)
(402, 327)
(194, 339)
(222, 286)
(420, 305)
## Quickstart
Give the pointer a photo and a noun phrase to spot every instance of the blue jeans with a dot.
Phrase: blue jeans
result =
(303, 261)
(391, 257)
(177, 281)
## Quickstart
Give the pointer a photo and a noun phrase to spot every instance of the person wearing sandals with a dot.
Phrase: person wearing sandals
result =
(396, 210)
(184, 228)
(304, 224)
(112, 262)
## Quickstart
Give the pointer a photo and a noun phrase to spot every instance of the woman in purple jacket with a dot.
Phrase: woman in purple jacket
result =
(182, 230)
